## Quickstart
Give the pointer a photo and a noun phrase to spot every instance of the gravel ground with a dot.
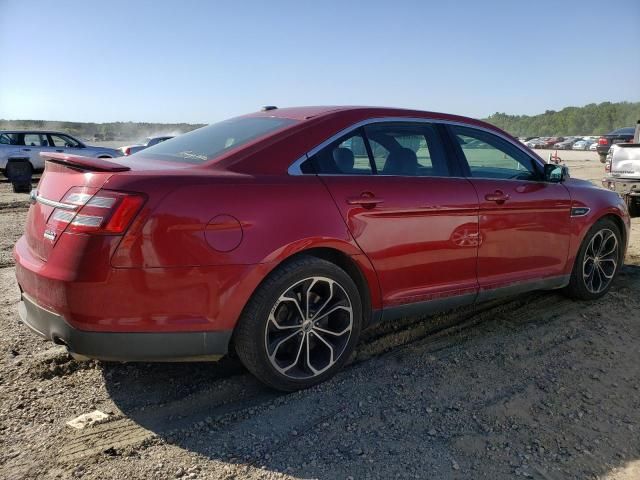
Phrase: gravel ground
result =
(537, 386)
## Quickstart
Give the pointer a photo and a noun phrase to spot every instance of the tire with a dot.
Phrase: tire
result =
(22, 184)
(300, 359)
(633, 204)
(603, 158)
(581, 287)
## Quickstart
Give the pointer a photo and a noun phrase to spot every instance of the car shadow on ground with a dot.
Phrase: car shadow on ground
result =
(542, 386)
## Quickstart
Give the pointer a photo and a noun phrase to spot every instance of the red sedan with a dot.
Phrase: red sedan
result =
(281, 234)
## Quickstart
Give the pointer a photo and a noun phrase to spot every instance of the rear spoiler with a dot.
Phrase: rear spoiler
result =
(86, 163)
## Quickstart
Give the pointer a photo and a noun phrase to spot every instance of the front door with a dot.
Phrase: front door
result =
(524, 221)
(417, 224)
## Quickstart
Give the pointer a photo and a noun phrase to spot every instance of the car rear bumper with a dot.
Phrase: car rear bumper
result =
(622, 186)
(129, 346)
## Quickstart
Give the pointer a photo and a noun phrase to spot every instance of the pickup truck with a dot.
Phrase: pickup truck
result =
(623, 172)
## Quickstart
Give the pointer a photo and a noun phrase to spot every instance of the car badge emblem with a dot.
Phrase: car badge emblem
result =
(50, 235)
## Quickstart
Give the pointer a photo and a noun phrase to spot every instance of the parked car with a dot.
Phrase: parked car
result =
(623, 171)
(565, 144)
(26, 146)
(146, 143)
(280, 235)
(551, 141)
(593, 147)
(536, 142)
(621, 135)
(582, 145)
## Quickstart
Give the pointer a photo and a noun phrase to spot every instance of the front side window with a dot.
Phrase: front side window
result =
(489, 156)
(207, 143)
(63, 141)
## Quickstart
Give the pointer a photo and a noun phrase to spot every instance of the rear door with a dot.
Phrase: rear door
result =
(33, 144)
(524, 221)
(414, 219)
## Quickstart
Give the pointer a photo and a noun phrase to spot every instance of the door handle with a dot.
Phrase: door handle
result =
(26, 149)
(366, 200)
(59, 150)
(498, 196)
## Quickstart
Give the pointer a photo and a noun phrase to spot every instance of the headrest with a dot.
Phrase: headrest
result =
(344, 159)
(403, 161)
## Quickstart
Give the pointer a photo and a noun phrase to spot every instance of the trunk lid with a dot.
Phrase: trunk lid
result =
(62, 172)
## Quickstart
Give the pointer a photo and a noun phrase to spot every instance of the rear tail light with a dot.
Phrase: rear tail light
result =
(603, 141)
(97, 211)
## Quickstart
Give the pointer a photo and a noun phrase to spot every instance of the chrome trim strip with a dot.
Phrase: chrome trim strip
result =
(294, 168)
(54, 204)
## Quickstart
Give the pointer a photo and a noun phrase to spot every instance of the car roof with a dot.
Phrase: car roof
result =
(36, 131)
(364, 112)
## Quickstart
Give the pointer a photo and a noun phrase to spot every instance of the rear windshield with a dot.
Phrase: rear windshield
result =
(209, 142)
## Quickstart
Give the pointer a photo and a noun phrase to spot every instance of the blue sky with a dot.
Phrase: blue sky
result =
(202, 61)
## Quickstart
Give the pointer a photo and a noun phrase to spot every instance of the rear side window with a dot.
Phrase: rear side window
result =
(412, 150)
(9, 139)
(489, 156)
(399, 149)
(35, 140)
(207, 143)
(346, 156)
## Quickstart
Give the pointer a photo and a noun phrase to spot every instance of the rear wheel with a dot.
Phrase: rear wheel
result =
(603, 158)
(597, 262)
(633, 204)
(301, 325)
(19, 173)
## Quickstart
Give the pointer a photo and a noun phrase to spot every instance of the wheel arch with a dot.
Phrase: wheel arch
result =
(358, 267)
(353, 269)
(619, 223)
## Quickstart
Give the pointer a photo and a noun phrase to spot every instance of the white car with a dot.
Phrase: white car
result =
(593, 146)
(582, 145)
(146, 143)
(26, 145)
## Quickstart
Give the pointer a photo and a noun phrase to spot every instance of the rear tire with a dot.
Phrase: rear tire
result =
(633, 204)
(603, 158)
(17, 171)
(597, 263)
(301, 325)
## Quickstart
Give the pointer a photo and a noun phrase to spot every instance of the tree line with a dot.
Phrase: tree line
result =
(592, 119)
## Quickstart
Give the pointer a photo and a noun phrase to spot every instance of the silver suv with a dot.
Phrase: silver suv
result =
(26, 145)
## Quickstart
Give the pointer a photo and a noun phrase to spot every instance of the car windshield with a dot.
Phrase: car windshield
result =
(624, 131)
(207, 143)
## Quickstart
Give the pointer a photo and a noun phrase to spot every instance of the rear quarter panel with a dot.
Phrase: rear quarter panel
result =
(279, 216)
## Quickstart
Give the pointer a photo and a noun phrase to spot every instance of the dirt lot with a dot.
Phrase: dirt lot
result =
(537, 386)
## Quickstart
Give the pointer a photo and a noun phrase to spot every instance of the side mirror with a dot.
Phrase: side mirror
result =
(555, 173)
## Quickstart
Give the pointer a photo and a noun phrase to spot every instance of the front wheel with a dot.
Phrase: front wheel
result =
(597, 262)
(301, 325)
